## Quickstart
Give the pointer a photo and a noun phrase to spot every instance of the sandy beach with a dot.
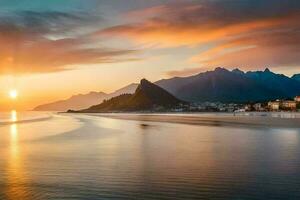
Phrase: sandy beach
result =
(213, 120)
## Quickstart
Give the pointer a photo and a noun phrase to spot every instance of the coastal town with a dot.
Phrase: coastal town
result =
(285, 105)
(292, 105)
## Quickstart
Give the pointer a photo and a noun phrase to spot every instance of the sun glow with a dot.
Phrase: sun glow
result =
(13, 116)
(13, 94)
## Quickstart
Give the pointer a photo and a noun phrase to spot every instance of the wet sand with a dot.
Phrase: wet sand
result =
(217, 120)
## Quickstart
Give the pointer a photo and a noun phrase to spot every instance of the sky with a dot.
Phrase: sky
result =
(50, 50)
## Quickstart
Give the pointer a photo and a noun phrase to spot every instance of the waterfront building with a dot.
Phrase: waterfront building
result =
(274, 105)
(289, 105)
(257, 107)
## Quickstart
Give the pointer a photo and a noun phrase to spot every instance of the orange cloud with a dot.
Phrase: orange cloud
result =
(260, 50)
(49, 56)
(33, 42)
(190, 25)
(258, 36)
(186, 71)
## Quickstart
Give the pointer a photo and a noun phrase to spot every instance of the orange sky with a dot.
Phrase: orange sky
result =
(51, 50)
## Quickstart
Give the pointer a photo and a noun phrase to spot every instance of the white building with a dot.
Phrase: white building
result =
(274, 105)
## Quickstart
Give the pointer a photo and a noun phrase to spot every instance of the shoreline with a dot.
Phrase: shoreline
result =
(221, 120)
(25, 121)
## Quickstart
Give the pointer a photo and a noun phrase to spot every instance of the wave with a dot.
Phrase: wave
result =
(23, 117)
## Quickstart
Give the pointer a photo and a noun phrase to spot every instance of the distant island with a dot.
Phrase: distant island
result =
(147, 96)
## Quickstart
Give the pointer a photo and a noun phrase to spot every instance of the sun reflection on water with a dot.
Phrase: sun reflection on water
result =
(14, 140)
(17, 188)
(13, 116)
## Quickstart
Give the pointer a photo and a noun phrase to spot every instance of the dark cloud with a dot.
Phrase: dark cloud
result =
(49, 22)
(281, 48)
(51, 41)
(237, 30)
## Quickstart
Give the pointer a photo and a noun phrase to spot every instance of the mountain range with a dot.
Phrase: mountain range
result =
(147, 96)
(223, 85)
(82, 101)
(296, 77)
(219, 85)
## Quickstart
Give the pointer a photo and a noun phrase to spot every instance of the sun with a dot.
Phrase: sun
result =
(13, 94)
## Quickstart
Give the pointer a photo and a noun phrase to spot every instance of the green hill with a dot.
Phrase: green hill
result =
(147, 97)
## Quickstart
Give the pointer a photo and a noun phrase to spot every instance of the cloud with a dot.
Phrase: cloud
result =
(50, 56)
(250, 33)
(186, 72)
(260, 50)
(194, 23)
(40, 42)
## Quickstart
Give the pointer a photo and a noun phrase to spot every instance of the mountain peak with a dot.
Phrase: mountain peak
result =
(221, 69)
(145, 81)
(81, 101)
(237, 71)
(128, 89)
(222, 85)
(146, 97)
(296, 77)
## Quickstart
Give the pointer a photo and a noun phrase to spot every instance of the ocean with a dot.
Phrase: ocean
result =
(75, 156)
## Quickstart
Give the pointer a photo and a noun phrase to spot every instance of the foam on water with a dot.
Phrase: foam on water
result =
(21, 117)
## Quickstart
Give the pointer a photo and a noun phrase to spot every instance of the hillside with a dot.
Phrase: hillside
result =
(82, 101)
(147, 96)
(231, 86)
(296, 77)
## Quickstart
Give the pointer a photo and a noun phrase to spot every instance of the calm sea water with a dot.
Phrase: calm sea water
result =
(86, 157)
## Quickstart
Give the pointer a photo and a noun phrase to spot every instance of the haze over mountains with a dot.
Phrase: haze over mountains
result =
(219, 85)
(82, 101)
(147, 96)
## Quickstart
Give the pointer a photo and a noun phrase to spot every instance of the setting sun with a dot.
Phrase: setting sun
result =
(13, 94)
